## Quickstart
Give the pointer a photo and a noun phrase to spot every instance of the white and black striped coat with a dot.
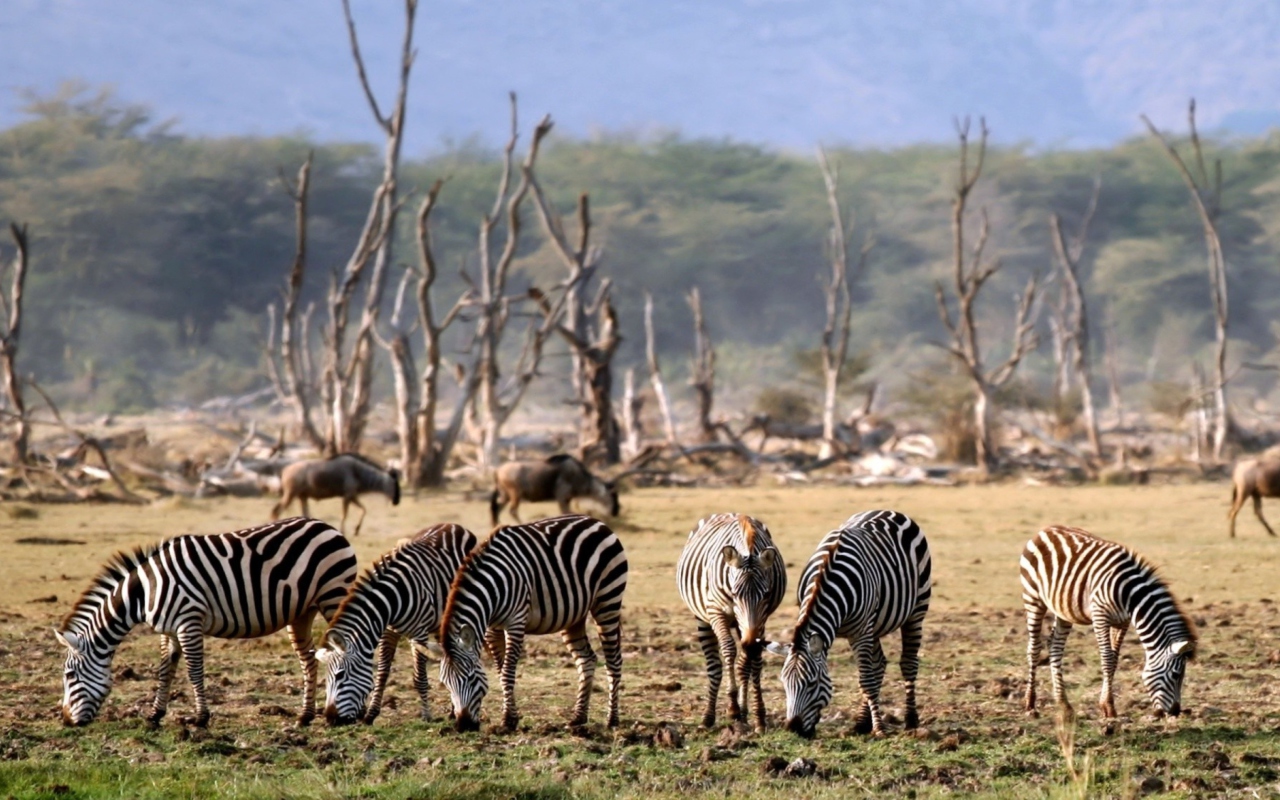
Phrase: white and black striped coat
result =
(402, 594)
(1083, 580)
(236, 585)
(732, 577)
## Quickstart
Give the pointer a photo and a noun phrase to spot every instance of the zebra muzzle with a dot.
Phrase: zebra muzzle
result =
(333, 717)
(465, 723)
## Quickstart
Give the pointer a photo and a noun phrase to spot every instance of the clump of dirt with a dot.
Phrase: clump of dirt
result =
(668, 736)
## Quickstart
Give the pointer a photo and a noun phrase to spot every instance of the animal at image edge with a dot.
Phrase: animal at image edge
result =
(542, 577)
(238, 585)
(560, 478)
(867, 579)
(346, 475)
(732, 578)
(1254, 478)
(402, 594)
(1079, 579)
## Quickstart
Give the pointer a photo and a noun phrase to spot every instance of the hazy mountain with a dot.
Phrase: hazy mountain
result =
(783, 72)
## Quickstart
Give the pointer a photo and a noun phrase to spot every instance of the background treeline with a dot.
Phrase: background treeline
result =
(154, 254)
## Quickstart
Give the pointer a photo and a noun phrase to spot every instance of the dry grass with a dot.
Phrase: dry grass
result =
(977, 739)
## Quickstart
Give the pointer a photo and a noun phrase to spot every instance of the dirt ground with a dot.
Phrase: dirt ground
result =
(976, 739)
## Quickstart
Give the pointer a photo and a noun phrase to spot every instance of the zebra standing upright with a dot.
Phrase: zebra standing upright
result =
(402, 594)
(541, 577)
(1084, 580)
(236, 585)
(732, 578)
(866, 579)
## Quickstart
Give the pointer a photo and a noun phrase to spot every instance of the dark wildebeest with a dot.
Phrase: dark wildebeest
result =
(560, 478)
(1256, 478)
(346, 475)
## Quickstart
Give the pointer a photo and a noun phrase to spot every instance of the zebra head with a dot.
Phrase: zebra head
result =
(749, 582)
(1162, 674)
(806, 681)
(348, 677)
(86, 679)
(462, 674)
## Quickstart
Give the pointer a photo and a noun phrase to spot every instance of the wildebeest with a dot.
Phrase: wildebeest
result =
(346, 475)
(1256, 478)
(559, 477)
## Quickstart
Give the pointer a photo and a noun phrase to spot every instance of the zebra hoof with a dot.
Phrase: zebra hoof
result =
(863, 725)
(913, 720)
(613, 721)
(368, 719)
(306, 718)
(509, 724)
(708, 721)
(153, 721)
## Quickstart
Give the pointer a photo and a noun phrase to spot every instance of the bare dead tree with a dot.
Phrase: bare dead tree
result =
(970, 272)
(347, 377)
(1071, 318)
(289, 366)
(655, 371)
(591, 329)
(702, 371)
(1206, 197)
(1113, 372)
(10, 333)
(632, 406)
(839, 305)
(499, 398)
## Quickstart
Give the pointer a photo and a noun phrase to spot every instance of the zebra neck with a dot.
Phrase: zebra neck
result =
(1156, 617)
(117, 611)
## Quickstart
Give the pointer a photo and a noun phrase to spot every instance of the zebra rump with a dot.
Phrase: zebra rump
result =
(235, 585)
(402, 594)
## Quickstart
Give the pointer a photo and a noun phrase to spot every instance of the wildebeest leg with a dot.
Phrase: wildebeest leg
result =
(300, 638)
(286, 497)
(1257, 509)
(1237, 502)
(306, 507)
(515, 506)
(360, 506)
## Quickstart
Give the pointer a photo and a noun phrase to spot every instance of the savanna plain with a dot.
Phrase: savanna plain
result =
(975, 738)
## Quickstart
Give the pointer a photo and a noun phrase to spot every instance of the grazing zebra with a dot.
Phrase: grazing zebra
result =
(541, 577)
(346, 475)
(866, 579)
(1084, 580)
(732, 578)
(401, 595)
(229, 585)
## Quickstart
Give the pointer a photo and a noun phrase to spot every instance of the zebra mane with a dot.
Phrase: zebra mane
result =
(819, 576)
(371, 573)
(1153, 572)
(450, 604)
(115, 571)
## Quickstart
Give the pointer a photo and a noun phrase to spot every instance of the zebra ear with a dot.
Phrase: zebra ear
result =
(778, 648)
(767, 556)
(731, 556)
(335, 642)
(815, 646)
(1184, 648)
(325, 654)
(70, 640)
(467, 637)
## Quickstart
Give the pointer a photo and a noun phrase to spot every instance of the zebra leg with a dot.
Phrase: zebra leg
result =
(1108, 657)
(191, 642)
(1057, 646)
(1117, 638)
(575, 638)
(421, 680)
(169, 655)
(909, 664)
(611, 643)
(715, 670)
(755, 665)
(382, 660)
(1035, 633)
(495, 641)
(515, 649)
(724, 630)
(300, 638)
(871, 666)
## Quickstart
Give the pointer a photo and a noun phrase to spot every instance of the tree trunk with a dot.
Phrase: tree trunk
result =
(632, 406)
(9, 345)
(983, 445)
(702, 375)
(655, 371)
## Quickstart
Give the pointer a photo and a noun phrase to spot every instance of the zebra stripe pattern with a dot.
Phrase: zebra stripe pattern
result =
(230, 585)
(402, 594)
(867, 579)
(543, 577)
(1084, 580)
(732, 578)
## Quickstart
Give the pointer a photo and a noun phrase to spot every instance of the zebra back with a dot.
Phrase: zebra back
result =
(1070, 570)
(705, 571)
(241, 584)
(556, 570)
(875, 568)
(405, 588)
